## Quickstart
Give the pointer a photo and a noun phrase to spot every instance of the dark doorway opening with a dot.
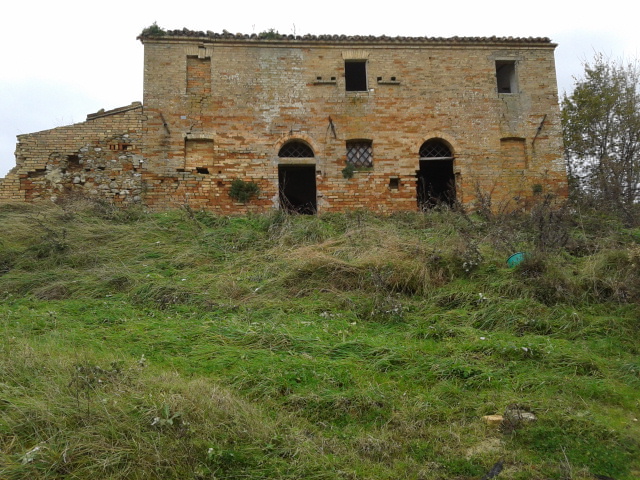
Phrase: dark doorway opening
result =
(297, 184)
(436, 183)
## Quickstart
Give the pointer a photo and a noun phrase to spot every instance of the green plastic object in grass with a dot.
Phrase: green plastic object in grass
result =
(516, 259)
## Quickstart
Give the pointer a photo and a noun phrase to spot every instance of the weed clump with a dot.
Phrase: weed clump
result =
(153, 31)
(242, 191)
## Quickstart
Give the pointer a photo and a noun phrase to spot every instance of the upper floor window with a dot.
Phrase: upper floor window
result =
(506, 76)
(355, 75)
(360, 153)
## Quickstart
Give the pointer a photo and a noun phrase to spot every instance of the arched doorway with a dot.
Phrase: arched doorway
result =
(436, 181)
(297, 178)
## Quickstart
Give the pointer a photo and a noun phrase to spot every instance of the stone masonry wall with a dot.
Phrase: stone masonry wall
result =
(99, 158)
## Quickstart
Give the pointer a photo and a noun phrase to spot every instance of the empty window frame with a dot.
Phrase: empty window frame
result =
(506, 76)
(355, 75)
(360, 153)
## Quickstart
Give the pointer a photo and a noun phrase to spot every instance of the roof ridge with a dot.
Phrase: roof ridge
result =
(274, 36)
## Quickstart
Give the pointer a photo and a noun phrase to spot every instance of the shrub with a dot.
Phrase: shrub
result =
(153, 31)
(348, 171)
(242, 191)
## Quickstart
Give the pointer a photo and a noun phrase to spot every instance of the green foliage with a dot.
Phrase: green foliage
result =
(242, 191)
(601, 126)
(153, 31)
(348, 171)
(270, 34)
(188, 345)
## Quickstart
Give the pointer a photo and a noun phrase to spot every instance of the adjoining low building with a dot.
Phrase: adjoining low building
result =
(318, 123)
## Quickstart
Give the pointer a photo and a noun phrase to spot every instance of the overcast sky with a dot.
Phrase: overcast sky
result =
(62, 60)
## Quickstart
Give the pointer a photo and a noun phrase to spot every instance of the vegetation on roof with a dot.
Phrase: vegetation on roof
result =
(270, 34)
(153, 31)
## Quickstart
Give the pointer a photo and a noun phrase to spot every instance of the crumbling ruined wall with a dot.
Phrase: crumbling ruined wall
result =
(97, 158)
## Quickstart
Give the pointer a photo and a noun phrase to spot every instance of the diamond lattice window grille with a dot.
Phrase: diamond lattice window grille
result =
(360, 153)
(435, 149)
(295, 150)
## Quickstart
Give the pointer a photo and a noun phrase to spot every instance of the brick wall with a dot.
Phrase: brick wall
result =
(264, 93)
(220, 107)
(99, 157)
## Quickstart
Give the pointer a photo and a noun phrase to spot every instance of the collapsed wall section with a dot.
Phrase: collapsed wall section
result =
(100, 158)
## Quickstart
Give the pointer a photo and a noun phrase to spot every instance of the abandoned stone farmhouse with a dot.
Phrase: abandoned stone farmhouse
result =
(317, 123)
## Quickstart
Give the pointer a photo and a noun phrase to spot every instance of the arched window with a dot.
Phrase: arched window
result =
(435, 149)
(295, 149)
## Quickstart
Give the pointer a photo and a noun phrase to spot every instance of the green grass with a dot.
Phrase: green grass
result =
(185, 345)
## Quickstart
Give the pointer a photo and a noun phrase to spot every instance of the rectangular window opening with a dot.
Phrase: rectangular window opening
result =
(394, 183)
(360, 153)
(355, 74)
(506, 76)
(202, 170)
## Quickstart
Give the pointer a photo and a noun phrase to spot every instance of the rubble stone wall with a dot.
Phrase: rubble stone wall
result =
(100, 157)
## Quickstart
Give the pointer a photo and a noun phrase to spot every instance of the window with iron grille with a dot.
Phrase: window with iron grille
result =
(435, 149)
(295, 149)
(360, 153)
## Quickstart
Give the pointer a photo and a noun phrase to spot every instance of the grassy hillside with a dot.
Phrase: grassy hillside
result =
(187, 346)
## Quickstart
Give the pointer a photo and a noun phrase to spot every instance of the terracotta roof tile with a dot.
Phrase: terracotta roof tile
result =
(278, 37)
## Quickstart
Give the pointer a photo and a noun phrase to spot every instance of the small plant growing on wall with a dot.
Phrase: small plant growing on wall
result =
(153, 31)
(348, 171)
(242, 191)
(270, 34)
